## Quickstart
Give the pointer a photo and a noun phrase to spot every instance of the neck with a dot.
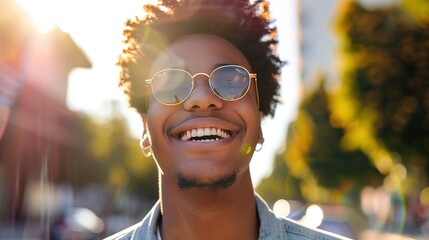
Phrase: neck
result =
(203, 214)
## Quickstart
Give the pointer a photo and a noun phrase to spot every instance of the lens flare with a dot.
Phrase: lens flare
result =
(313, 216)
(281, 208)
(246, 149)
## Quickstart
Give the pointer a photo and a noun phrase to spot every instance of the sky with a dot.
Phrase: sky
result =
(96, 27)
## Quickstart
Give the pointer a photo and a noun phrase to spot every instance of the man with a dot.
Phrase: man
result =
(203, 73)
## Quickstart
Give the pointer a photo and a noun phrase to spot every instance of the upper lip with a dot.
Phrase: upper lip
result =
(203, 123)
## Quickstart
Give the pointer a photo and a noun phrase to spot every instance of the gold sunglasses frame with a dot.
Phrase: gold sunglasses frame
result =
(251, 76)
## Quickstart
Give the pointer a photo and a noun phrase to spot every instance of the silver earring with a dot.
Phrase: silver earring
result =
(147, 151)
(260, 144)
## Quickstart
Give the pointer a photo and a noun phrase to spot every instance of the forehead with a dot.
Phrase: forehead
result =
(199, 53)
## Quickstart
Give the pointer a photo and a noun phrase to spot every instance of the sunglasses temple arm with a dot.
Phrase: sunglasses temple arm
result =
(257, 92)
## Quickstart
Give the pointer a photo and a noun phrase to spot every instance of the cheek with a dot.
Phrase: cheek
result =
(251, 117)
(249, 109)
(157, 142)
(156, 119)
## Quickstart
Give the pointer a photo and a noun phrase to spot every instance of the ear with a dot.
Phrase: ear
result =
(261, 135)
(144, 140)
(260, 142)
(144, 120)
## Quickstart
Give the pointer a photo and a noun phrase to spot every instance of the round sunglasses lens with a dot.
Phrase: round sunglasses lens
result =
(230, 83)
(171, 86)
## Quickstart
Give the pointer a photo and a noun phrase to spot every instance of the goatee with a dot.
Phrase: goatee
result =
(187, 183)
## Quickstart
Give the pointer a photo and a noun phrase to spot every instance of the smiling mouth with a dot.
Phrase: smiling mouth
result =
(204, 135)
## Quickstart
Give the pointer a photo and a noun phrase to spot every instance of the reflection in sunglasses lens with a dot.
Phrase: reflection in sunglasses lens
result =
(230, 83)
(172, 86)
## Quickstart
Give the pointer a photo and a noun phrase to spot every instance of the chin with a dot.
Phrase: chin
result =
(213, 184)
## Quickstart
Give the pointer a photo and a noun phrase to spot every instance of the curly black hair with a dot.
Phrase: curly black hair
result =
(246, 25)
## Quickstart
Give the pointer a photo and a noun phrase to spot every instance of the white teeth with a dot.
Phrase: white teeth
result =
(207, 131)
(200, 132)
(215, 133)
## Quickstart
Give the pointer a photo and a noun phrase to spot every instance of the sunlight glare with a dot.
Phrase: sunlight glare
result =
(281, 208)
(313, 216)
(42, 13)
(69, 15)
(84, 219)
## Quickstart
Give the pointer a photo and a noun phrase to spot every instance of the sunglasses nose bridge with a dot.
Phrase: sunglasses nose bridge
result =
(202, 96)
(202, 75)
(198, 74)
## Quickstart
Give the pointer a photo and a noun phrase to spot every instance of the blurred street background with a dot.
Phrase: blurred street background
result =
(348, 149)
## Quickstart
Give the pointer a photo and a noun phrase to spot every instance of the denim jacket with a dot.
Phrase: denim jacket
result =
(271, 227)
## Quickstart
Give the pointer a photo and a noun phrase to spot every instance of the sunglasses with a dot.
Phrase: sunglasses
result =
(173, 86)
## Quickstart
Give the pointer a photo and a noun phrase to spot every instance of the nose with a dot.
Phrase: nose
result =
(202, 97)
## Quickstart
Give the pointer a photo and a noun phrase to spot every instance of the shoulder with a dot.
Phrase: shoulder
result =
(125, 234)
(273, 227)
(146, 229)
(295, 230)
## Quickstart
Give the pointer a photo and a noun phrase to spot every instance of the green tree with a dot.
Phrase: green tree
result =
(106, 154)
(384, 86)
(315, 162)
(280, 184)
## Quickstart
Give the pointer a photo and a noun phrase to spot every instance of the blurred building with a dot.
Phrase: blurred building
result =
(317, 39)
(37, 130)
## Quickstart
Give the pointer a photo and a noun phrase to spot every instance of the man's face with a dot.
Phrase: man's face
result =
(203, 163)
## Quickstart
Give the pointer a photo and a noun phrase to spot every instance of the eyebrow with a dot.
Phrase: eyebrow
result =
(214, 67)
(223, 64)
